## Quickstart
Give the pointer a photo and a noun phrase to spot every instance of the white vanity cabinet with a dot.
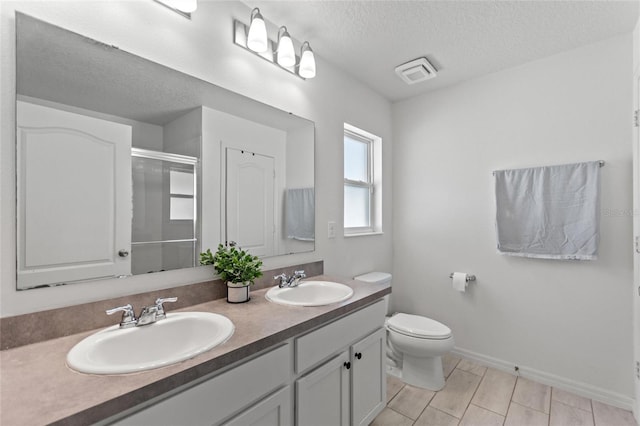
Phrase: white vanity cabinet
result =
(275, 410)
(215, 399)
(350, 387)
(333, 375)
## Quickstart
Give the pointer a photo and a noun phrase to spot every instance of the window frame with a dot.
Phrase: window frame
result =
(359, 136)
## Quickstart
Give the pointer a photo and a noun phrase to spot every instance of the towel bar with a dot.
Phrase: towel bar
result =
(469, 277)
(600, 163)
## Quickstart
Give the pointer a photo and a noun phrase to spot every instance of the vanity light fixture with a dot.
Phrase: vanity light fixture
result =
(257, 37)
(281, 52)
(182, 7)
(307, 67)
(285, 54)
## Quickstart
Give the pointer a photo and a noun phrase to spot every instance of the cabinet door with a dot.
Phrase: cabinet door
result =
(322, 396)
(368, 381)
(274, 410)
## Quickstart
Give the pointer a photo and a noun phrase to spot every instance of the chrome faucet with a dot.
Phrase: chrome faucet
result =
(128, 316)
(290, 281)
(148, 315)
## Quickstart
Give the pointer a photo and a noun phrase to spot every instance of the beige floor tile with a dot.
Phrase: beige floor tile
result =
(495, 390)
(449, 362)
(519, 415)
(566, 415)
(388, 417)
(476, 416)
(533, 395)
(411, 400)
(570, 399)
(393, 386)
(472, 367)
(457, 393)
(433, 417)
(607, 415)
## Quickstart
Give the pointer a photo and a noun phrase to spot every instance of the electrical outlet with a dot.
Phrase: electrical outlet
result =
(331, 229)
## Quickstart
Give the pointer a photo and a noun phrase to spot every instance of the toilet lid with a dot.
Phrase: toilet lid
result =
(418, 326)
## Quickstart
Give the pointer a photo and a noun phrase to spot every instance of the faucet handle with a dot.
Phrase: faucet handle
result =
(128, 315)
(301, 273)
(283, 280)
(160, 313)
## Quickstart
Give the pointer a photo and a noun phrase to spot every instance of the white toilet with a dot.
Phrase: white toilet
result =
(415, 344)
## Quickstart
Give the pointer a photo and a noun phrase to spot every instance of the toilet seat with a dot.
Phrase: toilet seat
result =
(418, 326)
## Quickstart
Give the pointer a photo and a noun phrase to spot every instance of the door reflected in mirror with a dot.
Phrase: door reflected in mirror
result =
(127, 167)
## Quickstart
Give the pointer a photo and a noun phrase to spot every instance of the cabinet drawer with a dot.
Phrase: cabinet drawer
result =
(216, 399)
(325, 341)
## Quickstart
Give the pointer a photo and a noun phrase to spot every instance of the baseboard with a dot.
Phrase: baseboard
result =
(579, 388)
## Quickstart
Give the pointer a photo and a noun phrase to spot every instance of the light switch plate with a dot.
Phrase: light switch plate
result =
(331, 229)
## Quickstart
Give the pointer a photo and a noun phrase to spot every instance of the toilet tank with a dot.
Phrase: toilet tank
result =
(377, 278)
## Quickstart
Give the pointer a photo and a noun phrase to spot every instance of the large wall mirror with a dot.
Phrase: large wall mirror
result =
(127, 167)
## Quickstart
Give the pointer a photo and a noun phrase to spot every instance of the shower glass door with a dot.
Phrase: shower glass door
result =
(164, 226)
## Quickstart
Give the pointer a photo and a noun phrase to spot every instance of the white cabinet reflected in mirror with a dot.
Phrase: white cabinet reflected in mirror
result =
(127, 167)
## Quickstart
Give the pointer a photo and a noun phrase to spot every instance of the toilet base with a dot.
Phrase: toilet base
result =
(424, 373)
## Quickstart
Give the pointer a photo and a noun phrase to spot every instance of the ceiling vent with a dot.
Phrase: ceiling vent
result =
(416, 71)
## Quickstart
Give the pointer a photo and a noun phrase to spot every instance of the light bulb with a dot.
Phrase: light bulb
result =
(307, 62)
(286, 55)
(257, 37)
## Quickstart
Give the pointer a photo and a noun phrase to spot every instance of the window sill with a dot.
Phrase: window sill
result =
(363, 234)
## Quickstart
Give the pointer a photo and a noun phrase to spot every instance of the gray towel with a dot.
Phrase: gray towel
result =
(549, 212)
(300, 214)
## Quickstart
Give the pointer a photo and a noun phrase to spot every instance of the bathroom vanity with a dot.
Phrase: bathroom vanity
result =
(283, 365)
(333, 375)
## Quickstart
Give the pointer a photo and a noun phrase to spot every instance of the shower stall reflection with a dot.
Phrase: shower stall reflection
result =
(164, 228)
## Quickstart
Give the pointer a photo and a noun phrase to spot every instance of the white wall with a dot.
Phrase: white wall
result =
(202, 47)
(565, 322)
(636, 205)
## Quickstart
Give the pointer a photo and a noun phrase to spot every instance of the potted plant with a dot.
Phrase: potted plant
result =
(236, 267)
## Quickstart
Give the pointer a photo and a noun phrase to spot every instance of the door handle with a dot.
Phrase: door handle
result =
(123, 253)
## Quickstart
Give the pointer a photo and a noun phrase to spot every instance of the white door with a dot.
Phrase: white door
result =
(74, 196)
(368, 380)
(250, 201)
(322, 396)
(636, 257)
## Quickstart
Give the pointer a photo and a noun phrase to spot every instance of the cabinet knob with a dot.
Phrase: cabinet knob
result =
(347, 365)
(358, 355)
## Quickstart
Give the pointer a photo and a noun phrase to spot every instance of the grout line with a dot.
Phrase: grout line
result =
(529, 408)
(398, 412)
(472, 396)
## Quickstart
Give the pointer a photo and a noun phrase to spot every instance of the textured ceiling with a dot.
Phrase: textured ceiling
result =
(464, 39)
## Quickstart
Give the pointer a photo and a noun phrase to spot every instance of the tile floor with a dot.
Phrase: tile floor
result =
(475, 395)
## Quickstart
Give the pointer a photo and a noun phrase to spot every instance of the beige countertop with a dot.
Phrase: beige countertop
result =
(37, 387)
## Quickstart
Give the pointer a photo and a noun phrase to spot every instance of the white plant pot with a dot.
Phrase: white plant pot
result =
(238, 292)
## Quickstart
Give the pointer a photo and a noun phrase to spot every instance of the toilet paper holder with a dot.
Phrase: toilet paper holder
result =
(469, 277)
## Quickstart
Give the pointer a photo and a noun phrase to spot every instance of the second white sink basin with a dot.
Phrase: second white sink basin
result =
(310, 293)
(180, 336)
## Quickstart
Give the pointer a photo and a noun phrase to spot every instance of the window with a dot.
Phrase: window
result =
(362, 174)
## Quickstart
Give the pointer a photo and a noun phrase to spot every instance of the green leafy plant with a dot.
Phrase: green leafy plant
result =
(233, 264)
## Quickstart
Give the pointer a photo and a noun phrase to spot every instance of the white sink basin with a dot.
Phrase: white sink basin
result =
(310, 293)
(180, 336)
